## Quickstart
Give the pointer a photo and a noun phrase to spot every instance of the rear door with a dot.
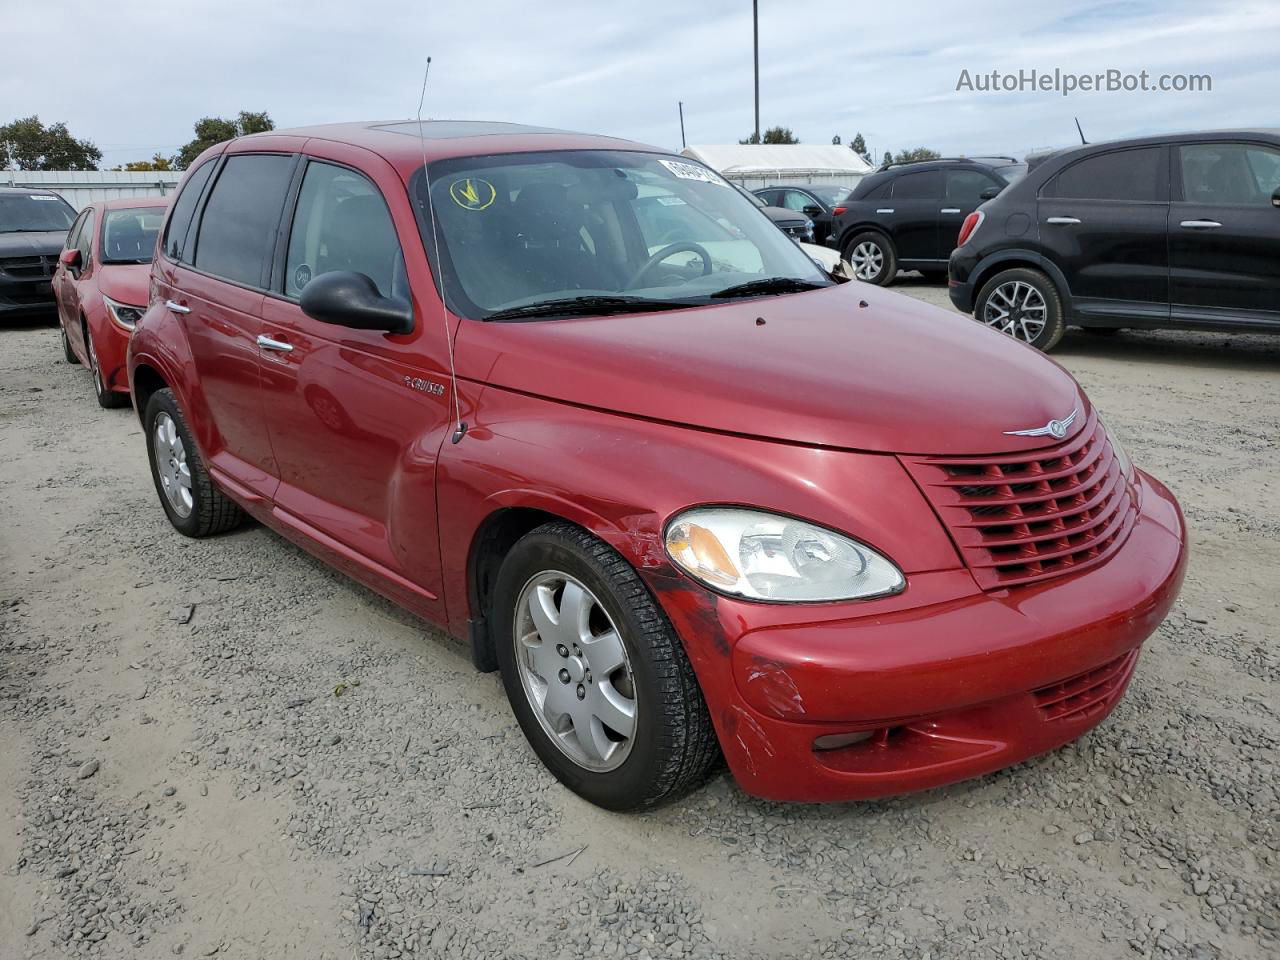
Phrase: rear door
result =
(1224, 232)
(963, 194)
(1103, 221)
(357, 417)
(216, 294)
(913, 214)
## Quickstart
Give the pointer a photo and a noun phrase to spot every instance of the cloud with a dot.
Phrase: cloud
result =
(133, 75)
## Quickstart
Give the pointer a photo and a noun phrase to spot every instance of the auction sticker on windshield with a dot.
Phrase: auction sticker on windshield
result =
(691, 171)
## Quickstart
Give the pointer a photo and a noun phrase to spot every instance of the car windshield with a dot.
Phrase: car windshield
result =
(830, 195)
(34, 213)
(129, 234)
(595, 232)
(1012, 172)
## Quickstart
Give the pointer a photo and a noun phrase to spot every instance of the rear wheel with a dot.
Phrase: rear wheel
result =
(596, 676)
(1023, 304)
(67, 353)
(872, 257)
(107, 397)
(193, 504)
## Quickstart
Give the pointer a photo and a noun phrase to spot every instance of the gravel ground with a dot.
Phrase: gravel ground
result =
(222, 748)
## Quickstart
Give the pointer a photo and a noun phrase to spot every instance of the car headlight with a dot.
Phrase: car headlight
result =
(123, 315)
(762, 556)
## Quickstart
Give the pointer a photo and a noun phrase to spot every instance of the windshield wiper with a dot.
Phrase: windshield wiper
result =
(757, 288)
(32, 230)
(587, 306)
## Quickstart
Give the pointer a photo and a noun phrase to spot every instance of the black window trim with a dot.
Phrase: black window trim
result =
(280, 257)
(1168, 190)
(197, 216)
(1177, 189)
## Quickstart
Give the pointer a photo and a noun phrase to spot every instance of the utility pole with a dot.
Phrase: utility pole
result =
(682, 143)
(755, 44)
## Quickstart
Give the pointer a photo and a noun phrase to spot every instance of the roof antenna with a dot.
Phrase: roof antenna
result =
(1078, 130)
(460, 429)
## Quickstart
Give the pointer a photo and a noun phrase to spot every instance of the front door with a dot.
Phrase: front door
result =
(1103, 221)
(357, 417)
(1224, 232)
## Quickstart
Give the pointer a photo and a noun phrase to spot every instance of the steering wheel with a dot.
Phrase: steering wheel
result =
(663, 254)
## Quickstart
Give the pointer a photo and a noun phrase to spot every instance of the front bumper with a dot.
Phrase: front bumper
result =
(948, 689)
(111, 343)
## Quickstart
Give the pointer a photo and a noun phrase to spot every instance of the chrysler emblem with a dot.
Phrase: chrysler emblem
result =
(1054, 428)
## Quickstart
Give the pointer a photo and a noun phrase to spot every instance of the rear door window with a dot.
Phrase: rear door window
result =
(237, 234)
(175, 234)
(1133, 175)
(342, 223)
(1229, 173)
(925, 185)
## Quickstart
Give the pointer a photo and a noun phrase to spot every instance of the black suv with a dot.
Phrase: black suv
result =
(813, 200)
(907, 215)
(33, 226)
(1179, 231)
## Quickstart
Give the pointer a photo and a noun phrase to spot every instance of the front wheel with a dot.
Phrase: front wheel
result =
(1024, 304)
(193, 504)
(872, 257)
(68, 354)
(107, 398)
(596, 676)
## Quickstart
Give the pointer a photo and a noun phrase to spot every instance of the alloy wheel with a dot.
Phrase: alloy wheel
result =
(94, 368)
(867, 260)
(1018, 309)
(575, 671)
(171, 464)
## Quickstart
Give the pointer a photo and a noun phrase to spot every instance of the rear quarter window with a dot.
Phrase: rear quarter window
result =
(175, 234)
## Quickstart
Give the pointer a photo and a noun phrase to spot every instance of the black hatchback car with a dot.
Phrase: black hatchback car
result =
(907, 215)
(1179, 231)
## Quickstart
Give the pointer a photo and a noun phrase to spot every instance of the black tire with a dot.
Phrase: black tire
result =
(888, 257)
(211, 510)
(1054, 326)
(68, 354)
(108, 399)
(674, 744)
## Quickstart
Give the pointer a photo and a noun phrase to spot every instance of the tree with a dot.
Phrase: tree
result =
(157, 162)
(211, 130)
(919, 153)
(835, 141)
(27, 144)
(886, 159)
(773, 135)
(859, 146)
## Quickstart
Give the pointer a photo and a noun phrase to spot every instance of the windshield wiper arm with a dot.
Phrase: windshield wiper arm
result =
(587, 306)
(755, 288)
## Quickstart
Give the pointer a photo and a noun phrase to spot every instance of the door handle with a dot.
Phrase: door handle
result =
(885, 210)
(1063, 221)
(949, 210)
(1201, 224)
(176, 307)
(266, 343)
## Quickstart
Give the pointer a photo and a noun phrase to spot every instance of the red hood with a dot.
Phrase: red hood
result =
(127, 283)
(896, 375)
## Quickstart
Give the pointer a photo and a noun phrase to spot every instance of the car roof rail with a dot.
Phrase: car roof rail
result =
(979, 159)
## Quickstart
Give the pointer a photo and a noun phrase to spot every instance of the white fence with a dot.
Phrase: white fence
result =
(83, 187)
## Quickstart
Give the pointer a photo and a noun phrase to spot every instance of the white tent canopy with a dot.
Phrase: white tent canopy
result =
(757, 164)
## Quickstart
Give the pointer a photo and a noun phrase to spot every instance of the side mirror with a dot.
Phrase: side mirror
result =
(70, 259)
(989, 194)
(352, 300)
(1275, 198)
(812, 210)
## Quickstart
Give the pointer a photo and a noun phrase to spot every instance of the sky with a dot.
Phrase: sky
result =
(134, 75)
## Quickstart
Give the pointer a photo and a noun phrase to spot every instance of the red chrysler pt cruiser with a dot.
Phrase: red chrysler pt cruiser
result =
(578, 401)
